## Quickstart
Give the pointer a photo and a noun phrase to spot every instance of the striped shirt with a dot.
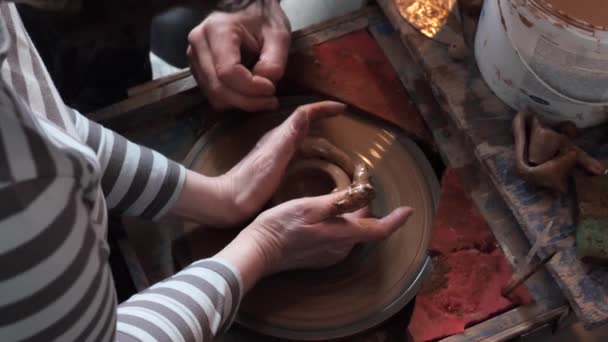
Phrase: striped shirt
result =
(59, 175)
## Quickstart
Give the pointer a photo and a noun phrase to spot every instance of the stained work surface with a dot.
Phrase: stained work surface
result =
(485, 121)
(469, 270)
(354, 69)
(592, 227)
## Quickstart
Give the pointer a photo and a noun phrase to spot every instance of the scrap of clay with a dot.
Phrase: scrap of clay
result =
(545, 157)
(545, 143)
(458, 50)
(359, 194)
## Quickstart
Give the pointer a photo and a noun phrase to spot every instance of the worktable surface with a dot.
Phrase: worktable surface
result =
(485, 122)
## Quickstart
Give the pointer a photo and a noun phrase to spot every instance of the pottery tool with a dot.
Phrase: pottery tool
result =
(530, 267)
(592, 227)
(529, 270)
(377, 280)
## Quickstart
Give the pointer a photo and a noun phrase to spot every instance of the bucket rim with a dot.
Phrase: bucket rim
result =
(567, 19)
(528, 67)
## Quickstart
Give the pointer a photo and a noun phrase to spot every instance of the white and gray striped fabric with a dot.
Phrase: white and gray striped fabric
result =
(59, 175)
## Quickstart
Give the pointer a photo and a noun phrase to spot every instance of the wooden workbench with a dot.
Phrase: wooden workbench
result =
(170, 110)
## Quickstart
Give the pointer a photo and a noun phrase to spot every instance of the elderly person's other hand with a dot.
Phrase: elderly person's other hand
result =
(216, 61)
(304, 233)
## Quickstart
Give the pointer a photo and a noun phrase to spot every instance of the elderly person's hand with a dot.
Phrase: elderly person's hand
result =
(216, 61)
(304, 233)
(239, 194)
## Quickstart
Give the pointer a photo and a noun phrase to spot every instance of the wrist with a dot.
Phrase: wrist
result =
(247, 254)
(204, 200)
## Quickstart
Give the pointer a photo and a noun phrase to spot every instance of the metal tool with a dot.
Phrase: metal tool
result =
(530, 267)
(523, 275)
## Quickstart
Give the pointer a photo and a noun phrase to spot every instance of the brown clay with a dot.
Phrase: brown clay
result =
(567, 128)
(309, 178)
(544, 144)
(317, 147)
(359, 194)
(458, 50)
(545, 157)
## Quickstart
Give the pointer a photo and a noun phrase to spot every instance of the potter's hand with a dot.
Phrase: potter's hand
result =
(253, 181)
(215, 56)
(305, 233)
(240, 193)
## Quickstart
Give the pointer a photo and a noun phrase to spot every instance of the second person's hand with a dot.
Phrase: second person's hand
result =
(216, 62)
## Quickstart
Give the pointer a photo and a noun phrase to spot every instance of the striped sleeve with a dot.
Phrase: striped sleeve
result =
(54, 276)
(197, 304)
(136, 181)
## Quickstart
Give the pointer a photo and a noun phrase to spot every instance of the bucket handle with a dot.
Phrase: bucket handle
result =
(531, 71)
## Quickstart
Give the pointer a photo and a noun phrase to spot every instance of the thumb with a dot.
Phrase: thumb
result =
(273, 57)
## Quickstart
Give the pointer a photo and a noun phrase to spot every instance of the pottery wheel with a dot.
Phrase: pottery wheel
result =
(377, 280)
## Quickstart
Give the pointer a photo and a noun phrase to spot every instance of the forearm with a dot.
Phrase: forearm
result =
(209, 291)
(136, 180)
(203, 200)
(245, 254)
(197, 304)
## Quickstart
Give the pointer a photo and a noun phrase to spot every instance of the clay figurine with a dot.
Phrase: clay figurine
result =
(545, 157)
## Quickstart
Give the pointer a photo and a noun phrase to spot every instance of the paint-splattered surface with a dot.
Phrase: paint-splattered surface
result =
(485, 121)
(469, 271)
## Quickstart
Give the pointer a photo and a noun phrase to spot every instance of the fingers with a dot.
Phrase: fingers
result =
(353, 229)
(321, 208)
(320, 110)
(225, 48)
(369, 229)
(273, 58)
(220, 94)
(591, 164)
(361, 213)
(284, 139)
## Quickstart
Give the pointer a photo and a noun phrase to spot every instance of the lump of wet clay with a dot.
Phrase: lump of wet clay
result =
(320, 168)
(545, 157)
(359, 194)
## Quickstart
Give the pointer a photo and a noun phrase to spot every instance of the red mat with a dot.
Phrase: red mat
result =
(470, 270)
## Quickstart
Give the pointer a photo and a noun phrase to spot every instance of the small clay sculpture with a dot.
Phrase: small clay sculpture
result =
(359, 194)
(545, 157)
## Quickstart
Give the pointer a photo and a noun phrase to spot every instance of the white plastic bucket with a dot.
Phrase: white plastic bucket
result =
(536, 58)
